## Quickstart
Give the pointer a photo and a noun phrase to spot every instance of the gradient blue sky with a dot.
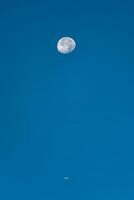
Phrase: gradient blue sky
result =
(66, 115)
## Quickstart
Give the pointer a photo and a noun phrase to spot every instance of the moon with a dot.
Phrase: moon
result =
(66, 45)
(66, 178)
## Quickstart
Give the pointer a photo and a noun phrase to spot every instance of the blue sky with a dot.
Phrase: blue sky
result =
(66, 115)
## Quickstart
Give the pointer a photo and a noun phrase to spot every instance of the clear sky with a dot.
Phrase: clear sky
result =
(66, 115)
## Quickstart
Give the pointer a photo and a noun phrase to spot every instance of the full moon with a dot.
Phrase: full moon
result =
(66, 45)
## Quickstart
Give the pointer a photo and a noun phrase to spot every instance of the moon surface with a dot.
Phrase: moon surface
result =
(66, 45)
